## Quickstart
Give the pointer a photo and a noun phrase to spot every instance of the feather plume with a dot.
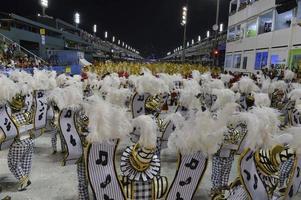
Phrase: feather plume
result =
(262, 99)
(147, 128)
(170, 79)
(295, 142)
(280, 85)
(262, 125)
(44, 80)
(289, 75)
(224, 96)
(226, 78)
(8, 89)
(106, 121)
(188, 95)
(245, 85)
(24, 81)
(118, 97)
(150, 84)
(67, 97)
(203, 132)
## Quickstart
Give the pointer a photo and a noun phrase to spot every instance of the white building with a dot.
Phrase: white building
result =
(259, 37)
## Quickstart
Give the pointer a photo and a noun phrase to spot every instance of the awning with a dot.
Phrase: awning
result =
(84, 62)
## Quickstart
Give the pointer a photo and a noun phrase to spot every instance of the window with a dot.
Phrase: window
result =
(233, 7)
(283, 20)
(277, 62)
(245, 62)
(265, 23)
(251, 29)
(236, 61)
(243, 4)
(228, 61)
(231, 34)
(235, 33)
(261, 60)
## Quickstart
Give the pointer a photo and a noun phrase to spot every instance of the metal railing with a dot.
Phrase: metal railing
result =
(29, 53)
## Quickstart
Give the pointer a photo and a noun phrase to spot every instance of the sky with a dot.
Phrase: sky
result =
(150, 26)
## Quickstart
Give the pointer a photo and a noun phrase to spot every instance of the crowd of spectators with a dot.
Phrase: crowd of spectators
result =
(11, 56)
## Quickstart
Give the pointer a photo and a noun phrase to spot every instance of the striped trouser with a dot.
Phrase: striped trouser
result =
(83, 191)
(221, 169)
(20, 158)
(54, 141)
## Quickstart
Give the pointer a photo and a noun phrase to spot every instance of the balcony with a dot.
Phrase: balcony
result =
(246, 10)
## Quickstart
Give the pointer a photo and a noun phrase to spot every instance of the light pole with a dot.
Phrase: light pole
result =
(106, 35)
(44, 4)
(216, 29)
(77, 19)
(95, 29)
(184, 24)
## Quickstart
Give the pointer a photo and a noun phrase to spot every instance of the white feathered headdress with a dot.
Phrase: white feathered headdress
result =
(106, 121)
(147, 128)
(262, 99)
(224, 97)
(44, 80)
(245, 85)
(226, 78)
(150, 84)
(262, 124)
(24, 81)
(203, 132)
(188, 95)
(8, 89)
(67, 97)
(289, 75)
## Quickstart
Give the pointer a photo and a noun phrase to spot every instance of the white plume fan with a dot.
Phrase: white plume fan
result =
(262, 99)
(106, 121)
(147, 83)
(289, 75)
(280, 85)
(170, 79)
(24, 81)
(201, 133)
(226, 78)
(61, 80)
(8, 89)
(245, 85)
(188, 95)
(295, 142)
(262, 125)
(147, 128)
(67, 97)
(224, 97)
(118, 97)
(44, 80)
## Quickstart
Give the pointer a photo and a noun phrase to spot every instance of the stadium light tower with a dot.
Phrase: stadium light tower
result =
(221, 27)
(44, 4)
(77, 19)
(184, 24)
(95, 29)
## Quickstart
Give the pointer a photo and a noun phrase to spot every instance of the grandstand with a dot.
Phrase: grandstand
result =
(45, 35)
(202, 51)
